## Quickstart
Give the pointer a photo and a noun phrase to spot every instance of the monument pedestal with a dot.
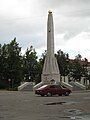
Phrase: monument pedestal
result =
(47, 78)
(50, 70)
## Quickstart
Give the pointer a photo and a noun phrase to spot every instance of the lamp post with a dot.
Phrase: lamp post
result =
(29, 77)
(9, 80)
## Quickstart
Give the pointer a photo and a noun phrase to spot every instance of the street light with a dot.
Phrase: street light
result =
(9, 83)
(29, 77)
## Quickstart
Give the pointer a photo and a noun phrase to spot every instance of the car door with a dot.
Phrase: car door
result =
(59, 89)
(53, 89)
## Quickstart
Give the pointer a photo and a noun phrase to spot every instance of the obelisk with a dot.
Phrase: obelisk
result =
(50, 70)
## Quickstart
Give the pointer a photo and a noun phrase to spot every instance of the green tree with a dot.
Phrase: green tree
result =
(11, 62)
(14, 62)
(3, 66)
(40, 66)
(63, 62)
(30, 64)
(76, 70)
(79, 67)
(78, 57)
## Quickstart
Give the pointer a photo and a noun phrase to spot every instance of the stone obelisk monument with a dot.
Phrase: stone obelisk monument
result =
(50, 70)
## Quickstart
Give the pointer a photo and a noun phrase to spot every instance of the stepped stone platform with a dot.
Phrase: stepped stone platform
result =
(26, 86)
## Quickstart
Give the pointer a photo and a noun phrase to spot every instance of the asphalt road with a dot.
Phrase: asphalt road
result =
(28, 106)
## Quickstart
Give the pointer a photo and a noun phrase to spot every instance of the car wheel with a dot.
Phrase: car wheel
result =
(49, 94)
(42, 95)
(66, 93)
(59, 94)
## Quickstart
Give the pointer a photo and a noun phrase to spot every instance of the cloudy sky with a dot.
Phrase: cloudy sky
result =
(27, 21)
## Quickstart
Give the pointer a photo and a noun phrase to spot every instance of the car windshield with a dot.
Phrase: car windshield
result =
(59, 86)
(43, 86)
(56, 86)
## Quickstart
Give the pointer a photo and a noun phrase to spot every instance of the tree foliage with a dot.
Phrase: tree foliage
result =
(10, 60)
(15, 67)
(31, 66)
(76, 68)
(63, 62)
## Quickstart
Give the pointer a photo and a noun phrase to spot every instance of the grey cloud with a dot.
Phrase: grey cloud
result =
(74, 8)
(78, 13)
(69, 16)
(64, 3)
(27, 31)
(72, 26)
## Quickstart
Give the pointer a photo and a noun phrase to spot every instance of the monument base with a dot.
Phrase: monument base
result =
(48, 78)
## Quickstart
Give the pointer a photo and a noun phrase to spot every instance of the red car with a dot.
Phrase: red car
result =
(50, 90)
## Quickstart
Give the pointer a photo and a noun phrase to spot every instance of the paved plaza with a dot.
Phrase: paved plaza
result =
(19, 105)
